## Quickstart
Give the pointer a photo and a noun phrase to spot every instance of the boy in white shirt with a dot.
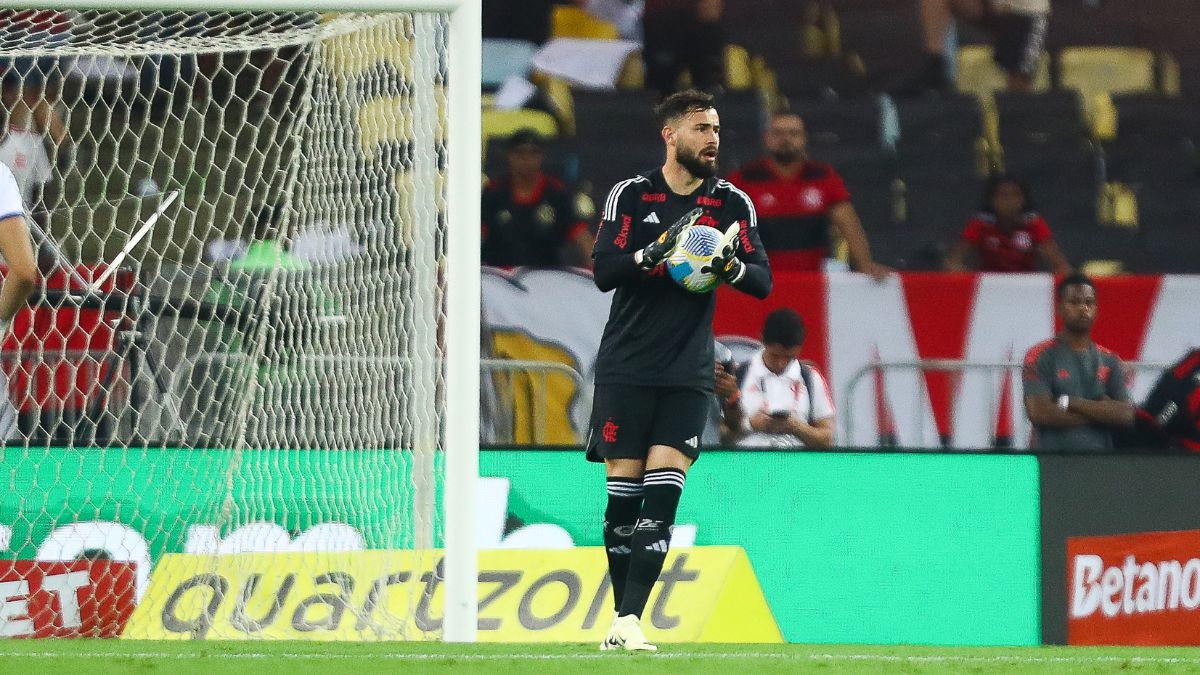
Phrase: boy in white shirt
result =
(785, 403)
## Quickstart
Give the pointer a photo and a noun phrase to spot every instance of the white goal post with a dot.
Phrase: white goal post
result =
(460, 334)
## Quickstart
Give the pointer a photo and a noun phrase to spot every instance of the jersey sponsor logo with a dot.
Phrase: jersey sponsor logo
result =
(652, 218)
(1063, 374)
(708, 220)
(742, 234)
(622, 239)
(654, 197)
(1022, 241)
(812, 198)
(692, 442)
(708, 201)
(609, 431)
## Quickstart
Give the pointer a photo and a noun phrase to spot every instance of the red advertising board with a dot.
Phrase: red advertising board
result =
(80, 598)
(1134, 589)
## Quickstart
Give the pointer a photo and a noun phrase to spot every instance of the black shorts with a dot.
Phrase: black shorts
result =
(1020, 39)
(628, 419)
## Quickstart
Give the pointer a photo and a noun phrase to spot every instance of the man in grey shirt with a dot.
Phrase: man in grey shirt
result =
(1075, 390)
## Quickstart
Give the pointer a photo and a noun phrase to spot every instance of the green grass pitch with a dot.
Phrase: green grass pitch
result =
(292, 658)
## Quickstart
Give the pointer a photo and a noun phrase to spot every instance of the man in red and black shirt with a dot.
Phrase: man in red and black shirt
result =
(798, 199)
(529, 217)
(1008, 235)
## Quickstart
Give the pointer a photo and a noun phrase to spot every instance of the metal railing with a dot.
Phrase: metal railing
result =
(541, 402)
(957, 366)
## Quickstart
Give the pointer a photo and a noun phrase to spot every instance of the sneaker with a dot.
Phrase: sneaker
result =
(626, 633)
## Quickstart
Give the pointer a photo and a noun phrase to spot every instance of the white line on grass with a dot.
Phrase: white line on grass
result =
(885, 658)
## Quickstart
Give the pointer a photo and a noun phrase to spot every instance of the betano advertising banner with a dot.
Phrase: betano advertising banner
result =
(853, 322)
(80, 598)
(1135, 589)
(859, 548)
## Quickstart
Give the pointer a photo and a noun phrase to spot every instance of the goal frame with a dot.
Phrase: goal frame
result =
(464, 167)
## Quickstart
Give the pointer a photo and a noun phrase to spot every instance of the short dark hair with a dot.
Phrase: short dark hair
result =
(524, 136)
(783, 327)
(993, 184)
(1076, 279)
(682, 103)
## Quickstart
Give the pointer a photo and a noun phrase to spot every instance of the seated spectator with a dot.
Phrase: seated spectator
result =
(785, 402)
(1007, 235)
(529, 217)
(797, 200)
(684, 35)
(1018, 29)
(725, 418)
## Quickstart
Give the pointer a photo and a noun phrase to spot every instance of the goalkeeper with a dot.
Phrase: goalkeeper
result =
(654, 370)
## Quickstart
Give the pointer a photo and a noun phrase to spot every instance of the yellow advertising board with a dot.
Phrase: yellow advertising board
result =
(705, 594)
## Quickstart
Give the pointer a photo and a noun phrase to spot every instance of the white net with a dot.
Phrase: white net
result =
(239, 347)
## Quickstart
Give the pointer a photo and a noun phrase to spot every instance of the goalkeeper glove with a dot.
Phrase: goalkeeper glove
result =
(658, 250)
(725, 263)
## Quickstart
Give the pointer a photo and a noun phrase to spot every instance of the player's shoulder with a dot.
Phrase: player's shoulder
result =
(1106, 353)
(816, 170)
(754, 171)
(1039, 350)
(726, 190)
(622, 192)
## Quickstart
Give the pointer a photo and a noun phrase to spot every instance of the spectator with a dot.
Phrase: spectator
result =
(529, 217)
(684, 35)
(798, 199)
(785, 402)
(1018, 29)
(1007, 235)
(1075, 392)
(725, 419)
(1169, 417)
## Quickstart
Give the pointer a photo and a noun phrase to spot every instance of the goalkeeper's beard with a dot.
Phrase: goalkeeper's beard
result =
(697, 165)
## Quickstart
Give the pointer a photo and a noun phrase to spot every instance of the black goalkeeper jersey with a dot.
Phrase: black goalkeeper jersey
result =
(659, 334)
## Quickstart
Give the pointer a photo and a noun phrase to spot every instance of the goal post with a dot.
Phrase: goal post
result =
(378, 348)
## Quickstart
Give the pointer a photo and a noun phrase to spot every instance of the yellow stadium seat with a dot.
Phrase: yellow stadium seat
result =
(1168, 74)
(633, 73)
(737, 68)
(1102, 268)
(1113, 70)
(572, 22)
(978, 74)
(503, 123)
(559, 95)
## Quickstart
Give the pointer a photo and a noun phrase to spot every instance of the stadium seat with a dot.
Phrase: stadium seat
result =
(833, 122)
(737, 68)
(633, 73)
(1115, 70)
(1098, 73)
(505, 58)
(502, 123)
(572, 22)
(558, 94)
(978, 74)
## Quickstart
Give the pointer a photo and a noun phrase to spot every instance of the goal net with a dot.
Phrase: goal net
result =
(232, 384)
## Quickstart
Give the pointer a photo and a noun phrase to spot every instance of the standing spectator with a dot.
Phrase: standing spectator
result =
(1075, 392)
(785, 402)
(1008, 235)
(529, 217)
(684, 35)
(798, 199)
(1018, 29)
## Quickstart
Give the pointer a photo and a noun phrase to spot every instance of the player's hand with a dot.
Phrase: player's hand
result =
(658, 250)
(725, 263)
(725, 385)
